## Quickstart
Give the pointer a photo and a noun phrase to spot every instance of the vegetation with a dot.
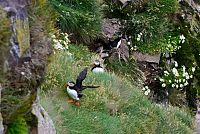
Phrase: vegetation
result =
(148, 22)
(157, 26)
(80, 17)
(130, 71)
(4, 37)
(19, 126)
(121, 104)
(116, 107)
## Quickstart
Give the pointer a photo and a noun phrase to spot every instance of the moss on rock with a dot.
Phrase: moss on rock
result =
(4, 39)
(23, 35)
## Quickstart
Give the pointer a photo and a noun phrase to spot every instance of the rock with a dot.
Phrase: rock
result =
(45, 124)
(147, 57)
(1, 119)
(24, 54)
(121, 53)
(1, 125)
(110, 27)
(124, 50)
(197, 121)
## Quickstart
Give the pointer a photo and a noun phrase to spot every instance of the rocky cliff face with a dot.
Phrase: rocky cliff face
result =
(24, 51)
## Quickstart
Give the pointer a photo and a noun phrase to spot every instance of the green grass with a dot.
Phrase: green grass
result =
(80, 17)
(116, 107)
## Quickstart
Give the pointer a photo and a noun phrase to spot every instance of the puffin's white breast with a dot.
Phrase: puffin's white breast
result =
(119, 43)
(72, 93)
(98, 70)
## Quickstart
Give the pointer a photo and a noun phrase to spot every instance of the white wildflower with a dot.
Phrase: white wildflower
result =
(173, 85)
(132, 48)
(55, 41)
(163, 85)
(184, 75)
(175, 72)
(177, 86)
(183, 80)
(146, 87)
(143, 89)
(193, 69)
(186, 83)
(135, 48)
(181, 85)
(187, 77)
(191, 76)
(129, 43)
(162, 80)
(170, 81)
(179, 80)
(139, 37)
(183, 69)
(53, 36)
(58, 46)
(146, 93)
(166, 73)
(148, 90)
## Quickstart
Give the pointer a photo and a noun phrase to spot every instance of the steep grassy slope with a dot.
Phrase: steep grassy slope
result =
(117, 107)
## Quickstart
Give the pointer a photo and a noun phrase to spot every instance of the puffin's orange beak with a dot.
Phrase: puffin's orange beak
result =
(92, 65)
(66, 85)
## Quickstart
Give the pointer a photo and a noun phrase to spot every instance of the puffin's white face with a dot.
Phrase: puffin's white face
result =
(71, 84)
(96, 62)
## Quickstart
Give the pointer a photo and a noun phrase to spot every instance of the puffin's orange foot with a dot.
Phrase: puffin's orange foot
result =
(71, 101)
(77, 103)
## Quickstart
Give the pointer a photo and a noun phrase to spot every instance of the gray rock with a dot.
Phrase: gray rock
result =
(45, 124)
(147, 57)
(197, 121)
(110, 27)
(1, 119)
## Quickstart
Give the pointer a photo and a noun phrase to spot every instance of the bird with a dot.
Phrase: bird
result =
(74, 90)
(116, 42)
(97, 68)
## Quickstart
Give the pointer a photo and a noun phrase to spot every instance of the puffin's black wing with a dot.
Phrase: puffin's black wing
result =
(84, 87)
(80, 78)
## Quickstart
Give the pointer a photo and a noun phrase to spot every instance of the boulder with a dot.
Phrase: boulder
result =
(45, 124)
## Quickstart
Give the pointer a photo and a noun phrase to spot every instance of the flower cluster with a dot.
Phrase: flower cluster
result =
(146, 90)
(62, 43)
(139, 36)
(134, 48)
(177, 78)
(170, 45)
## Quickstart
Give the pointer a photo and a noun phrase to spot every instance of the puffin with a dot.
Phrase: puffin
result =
(97, 68)
(74, 90)
(116, 42)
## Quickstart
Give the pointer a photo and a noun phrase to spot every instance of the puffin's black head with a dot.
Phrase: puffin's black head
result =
(70, 84)
(96, 63)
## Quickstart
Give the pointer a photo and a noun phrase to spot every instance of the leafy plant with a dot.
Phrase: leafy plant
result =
(80, 17)
(19, 126)
(61, 42)
(177, 78)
